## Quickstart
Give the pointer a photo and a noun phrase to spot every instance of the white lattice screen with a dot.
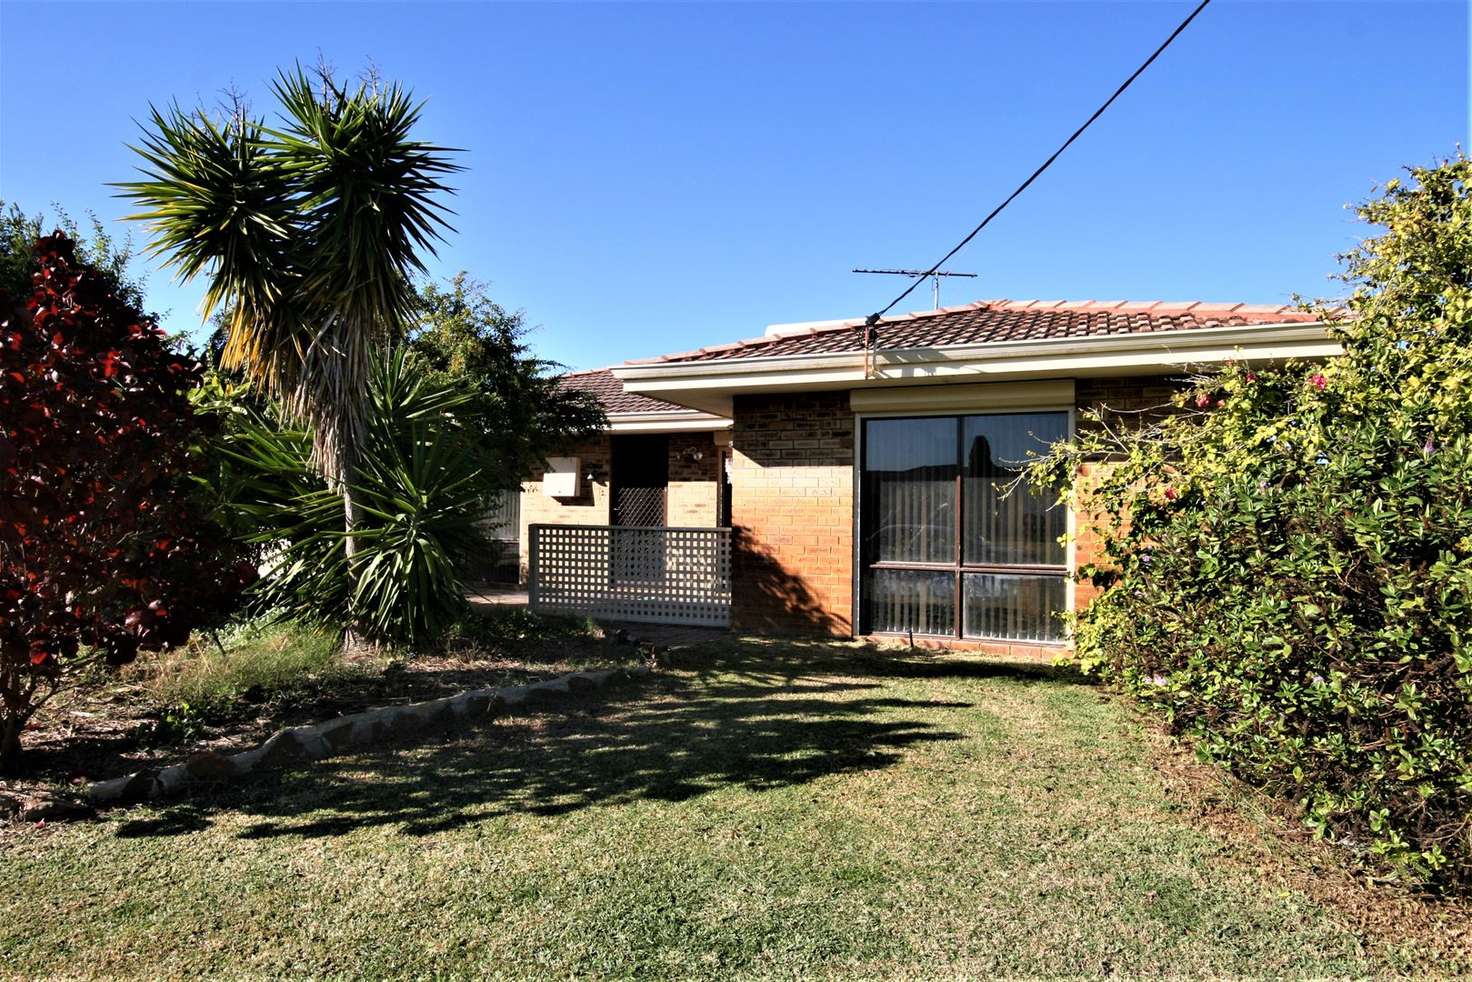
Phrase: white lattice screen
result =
(621, 573)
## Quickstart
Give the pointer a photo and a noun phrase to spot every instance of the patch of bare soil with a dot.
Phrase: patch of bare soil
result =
(94, 733)
(1267, 835)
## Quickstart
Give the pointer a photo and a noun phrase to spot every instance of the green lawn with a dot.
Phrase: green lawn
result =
(759, 809)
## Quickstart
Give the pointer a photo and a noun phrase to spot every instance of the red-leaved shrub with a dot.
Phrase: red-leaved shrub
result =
(103, 542)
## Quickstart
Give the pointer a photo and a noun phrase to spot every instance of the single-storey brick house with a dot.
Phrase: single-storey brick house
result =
(858, 468)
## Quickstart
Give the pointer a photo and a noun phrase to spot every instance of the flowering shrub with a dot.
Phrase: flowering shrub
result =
(1287, 558)
(102, 543)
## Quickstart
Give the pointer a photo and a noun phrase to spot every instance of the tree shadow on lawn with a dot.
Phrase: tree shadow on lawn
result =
(742, 714)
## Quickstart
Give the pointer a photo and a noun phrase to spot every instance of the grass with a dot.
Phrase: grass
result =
(260, 657)
(272, 657)
(759, 809)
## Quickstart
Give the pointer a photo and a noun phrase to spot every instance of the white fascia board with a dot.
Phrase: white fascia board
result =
(666, 422)
(1126, 353)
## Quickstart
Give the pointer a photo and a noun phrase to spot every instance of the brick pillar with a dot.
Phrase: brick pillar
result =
(1137, 400)
(792, 508)
(1086, 545)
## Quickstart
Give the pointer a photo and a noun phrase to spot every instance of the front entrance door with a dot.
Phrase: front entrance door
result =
(641, 473)
(640, 476)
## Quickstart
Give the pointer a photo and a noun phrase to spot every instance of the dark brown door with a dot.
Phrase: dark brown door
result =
(641, 474)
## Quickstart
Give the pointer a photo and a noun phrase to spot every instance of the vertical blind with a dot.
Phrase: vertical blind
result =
(1022, 528)
(940, 528)
(910, 482)
(901, 600)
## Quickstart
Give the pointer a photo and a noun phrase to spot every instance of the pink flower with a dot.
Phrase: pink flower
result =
(1170, 494)
(1251, 376)
(1317, 378)
(1202, 401)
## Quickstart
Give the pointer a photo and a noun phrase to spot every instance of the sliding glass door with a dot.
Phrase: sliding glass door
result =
(945, 549)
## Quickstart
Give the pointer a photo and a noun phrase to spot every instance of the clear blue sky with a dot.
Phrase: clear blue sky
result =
(651, 178)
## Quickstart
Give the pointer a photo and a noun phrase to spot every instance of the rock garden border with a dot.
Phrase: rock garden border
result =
(317, 741)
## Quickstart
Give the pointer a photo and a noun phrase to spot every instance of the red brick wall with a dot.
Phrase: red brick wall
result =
(792, 507)
(1086, 549)
(1133, 398)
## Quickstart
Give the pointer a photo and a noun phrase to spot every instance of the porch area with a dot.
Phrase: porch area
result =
(674, 579)
(638, 574)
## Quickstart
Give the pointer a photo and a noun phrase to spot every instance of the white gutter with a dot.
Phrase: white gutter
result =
(1126, 353)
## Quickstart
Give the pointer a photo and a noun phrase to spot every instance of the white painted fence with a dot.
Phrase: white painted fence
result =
(651, 575)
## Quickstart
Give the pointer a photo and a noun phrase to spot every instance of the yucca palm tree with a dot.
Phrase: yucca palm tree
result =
(309, 233)
(421, 490)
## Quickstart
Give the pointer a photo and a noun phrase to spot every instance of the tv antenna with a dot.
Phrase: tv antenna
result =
(934, 275)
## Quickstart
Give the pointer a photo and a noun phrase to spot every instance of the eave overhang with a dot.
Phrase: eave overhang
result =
(708, 385)
(667, 422)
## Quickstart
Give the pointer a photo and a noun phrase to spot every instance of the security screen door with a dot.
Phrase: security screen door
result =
(639, 480)
(944, 550)
(638, 486)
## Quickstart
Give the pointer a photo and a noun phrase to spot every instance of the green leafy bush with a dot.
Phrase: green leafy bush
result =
(421, 493)
(1287, 559)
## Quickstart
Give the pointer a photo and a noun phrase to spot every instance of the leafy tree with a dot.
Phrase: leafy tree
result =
(309, 233)
(1288, 560)
(98, 248)
(519, 411)
(103, 543)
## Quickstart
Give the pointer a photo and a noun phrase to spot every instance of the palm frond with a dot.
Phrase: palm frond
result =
(420, 492)
(215, 201)
(310, 233)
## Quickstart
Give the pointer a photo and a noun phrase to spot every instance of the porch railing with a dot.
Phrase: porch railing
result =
(611, 572)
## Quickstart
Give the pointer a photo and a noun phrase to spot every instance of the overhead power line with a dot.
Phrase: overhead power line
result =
(874, 317)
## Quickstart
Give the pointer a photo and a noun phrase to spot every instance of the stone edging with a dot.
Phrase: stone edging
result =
(335, 736)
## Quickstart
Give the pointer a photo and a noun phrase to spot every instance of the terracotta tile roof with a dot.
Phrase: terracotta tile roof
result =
(610, 392)
(1003, 320)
